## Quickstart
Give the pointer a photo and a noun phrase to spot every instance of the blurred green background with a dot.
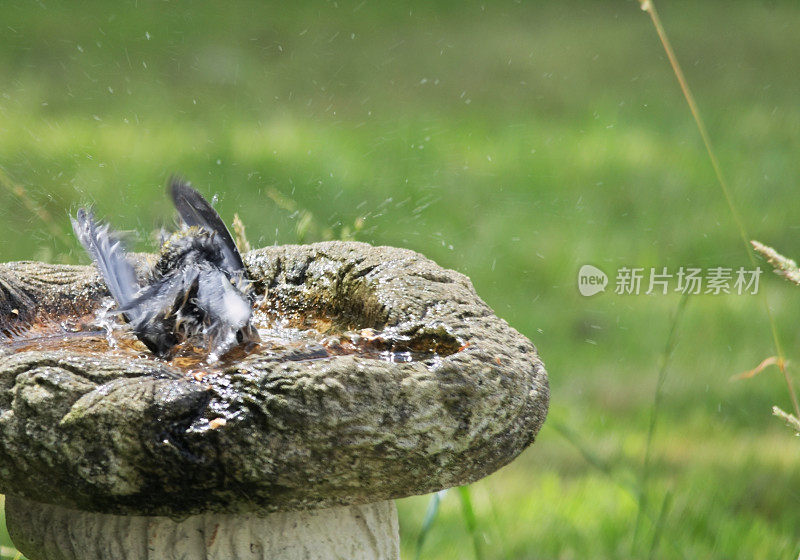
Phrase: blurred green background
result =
(511, 141)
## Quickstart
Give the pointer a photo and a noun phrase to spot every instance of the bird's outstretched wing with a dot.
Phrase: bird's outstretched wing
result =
(108, 254)
(194, 210)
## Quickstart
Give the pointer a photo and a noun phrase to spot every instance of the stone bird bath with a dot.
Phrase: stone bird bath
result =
(380, 375)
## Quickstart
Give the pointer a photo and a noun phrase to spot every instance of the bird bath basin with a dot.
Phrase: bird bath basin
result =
(379, 375)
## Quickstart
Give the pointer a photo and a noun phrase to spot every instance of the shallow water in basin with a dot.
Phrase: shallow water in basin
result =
(282, 339)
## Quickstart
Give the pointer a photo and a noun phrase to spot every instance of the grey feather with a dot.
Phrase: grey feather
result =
(194, 210)
(108, 254)
(160, 298)
(226, 307)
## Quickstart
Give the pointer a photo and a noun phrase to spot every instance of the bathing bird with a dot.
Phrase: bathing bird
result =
(198, 290)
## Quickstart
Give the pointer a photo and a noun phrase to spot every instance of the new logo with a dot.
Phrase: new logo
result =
(591, 280)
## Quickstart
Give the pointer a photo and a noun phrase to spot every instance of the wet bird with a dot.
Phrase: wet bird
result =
(197, 291)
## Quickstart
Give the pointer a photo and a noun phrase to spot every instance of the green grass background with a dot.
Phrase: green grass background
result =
(512, 141)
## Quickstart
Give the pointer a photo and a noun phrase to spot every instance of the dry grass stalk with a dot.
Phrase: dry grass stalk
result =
(783, 266)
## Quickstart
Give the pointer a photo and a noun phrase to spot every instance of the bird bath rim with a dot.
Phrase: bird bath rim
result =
(140, 437)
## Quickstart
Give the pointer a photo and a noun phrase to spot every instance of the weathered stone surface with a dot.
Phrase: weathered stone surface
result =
(109, 434)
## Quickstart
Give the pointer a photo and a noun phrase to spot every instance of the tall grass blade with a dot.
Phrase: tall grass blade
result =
(430, 517)
(650, 7)
(666, 504)
(666, 354)
(470, 520)
(588, 455)
(498, 529)
(604, 467)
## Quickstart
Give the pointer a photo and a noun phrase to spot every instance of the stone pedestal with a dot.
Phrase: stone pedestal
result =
(48, 532)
